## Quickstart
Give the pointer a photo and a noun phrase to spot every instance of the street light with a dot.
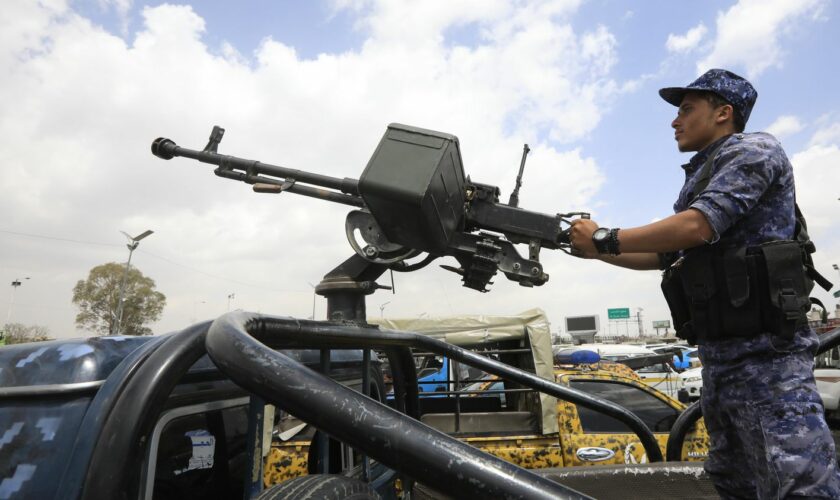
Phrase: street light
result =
(133, 241)
(230, 296)
(382, 309)
(639, 319)
(314, 296)
(837, 293)
(16, 283)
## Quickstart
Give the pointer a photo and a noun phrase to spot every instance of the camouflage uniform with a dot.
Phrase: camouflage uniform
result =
(760, 401)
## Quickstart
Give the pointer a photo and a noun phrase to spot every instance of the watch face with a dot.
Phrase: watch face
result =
(601, 234)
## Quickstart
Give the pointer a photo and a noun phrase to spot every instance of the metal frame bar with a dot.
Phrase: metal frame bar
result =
(294, 333)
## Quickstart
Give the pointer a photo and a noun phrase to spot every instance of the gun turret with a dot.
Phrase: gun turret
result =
(412, 197)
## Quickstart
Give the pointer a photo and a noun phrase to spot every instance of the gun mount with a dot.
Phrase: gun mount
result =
(412, 197)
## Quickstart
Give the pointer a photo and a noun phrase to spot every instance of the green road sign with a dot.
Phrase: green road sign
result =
(620, 313)
(837, 294)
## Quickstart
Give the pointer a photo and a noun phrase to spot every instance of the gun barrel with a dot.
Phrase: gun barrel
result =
(250, 169)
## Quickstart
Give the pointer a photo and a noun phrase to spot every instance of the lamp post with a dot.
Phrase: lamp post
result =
(133, 242)
(639, 319)
(230, 297)
(314, 296)
(837, 293)
(382, 309)
(16, 283)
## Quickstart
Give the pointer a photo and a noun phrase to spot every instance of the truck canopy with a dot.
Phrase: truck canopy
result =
(474, 331)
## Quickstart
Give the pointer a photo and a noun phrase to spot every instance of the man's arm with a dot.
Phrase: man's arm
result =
(680, 231)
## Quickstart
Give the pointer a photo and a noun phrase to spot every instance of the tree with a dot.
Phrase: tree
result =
(97, 299)
(17, 333)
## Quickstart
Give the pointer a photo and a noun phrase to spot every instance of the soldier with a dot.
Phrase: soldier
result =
(735, 284)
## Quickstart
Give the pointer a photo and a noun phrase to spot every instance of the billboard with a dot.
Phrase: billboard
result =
(582, 324)
(582, 328)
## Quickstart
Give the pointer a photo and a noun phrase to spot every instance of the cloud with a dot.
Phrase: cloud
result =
(75, 143)
(826, 136)
(750, 34)
(687, 42)
(784, 126)
(817, 177)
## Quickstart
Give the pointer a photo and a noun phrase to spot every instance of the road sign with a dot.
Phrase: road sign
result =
(620, 313)
(662, 324)
(837, 294)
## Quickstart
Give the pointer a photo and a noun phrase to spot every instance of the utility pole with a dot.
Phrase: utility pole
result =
(639, 319)
(314, 296)
(133, 242)
(16, 283)
(230, 296)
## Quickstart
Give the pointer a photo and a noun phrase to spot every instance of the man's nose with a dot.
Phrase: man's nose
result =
(675, 122)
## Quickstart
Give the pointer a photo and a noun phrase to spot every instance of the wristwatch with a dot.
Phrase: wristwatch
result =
(606, 240)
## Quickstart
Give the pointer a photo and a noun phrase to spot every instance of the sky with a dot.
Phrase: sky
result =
(88, 84)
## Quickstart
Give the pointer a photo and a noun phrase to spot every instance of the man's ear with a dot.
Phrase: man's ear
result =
(724, 113)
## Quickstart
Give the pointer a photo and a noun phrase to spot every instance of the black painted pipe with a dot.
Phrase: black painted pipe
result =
(401, 443)
(289, 332)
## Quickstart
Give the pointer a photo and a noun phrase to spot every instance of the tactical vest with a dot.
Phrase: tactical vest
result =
(718, 292)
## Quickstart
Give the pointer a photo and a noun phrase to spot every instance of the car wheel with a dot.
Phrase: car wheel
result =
(320, 487)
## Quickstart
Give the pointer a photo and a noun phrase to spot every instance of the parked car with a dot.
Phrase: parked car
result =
(691, 385)
(685, 356)
(658, 374)
(827, 375)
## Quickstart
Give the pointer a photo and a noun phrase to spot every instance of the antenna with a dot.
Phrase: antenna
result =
(514, 196)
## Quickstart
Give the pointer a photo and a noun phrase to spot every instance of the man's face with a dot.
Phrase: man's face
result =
(696, 125)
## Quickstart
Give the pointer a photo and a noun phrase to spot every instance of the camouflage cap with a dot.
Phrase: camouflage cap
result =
(735, 89)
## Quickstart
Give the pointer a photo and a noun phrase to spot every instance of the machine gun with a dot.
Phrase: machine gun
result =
(413, 197)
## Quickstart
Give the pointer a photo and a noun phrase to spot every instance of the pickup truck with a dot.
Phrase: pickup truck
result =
(183, 415)
(516, 424)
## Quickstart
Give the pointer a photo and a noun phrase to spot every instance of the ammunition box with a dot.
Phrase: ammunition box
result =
(414, 187)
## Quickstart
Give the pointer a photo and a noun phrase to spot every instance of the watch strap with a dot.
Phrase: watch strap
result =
(612, 242)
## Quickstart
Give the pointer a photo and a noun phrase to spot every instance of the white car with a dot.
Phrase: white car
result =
(827, 374)
(691, 383)
(828, 384)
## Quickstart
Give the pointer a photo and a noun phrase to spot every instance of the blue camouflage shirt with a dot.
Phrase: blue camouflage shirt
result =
(750, 198)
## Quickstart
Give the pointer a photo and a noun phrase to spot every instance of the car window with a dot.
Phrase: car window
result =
(200, 452)
(657, 368)
(654, 412)
(489, 389)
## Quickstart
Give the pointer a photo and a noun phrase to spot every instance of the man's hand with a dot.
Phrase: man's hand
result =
(581, 237)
